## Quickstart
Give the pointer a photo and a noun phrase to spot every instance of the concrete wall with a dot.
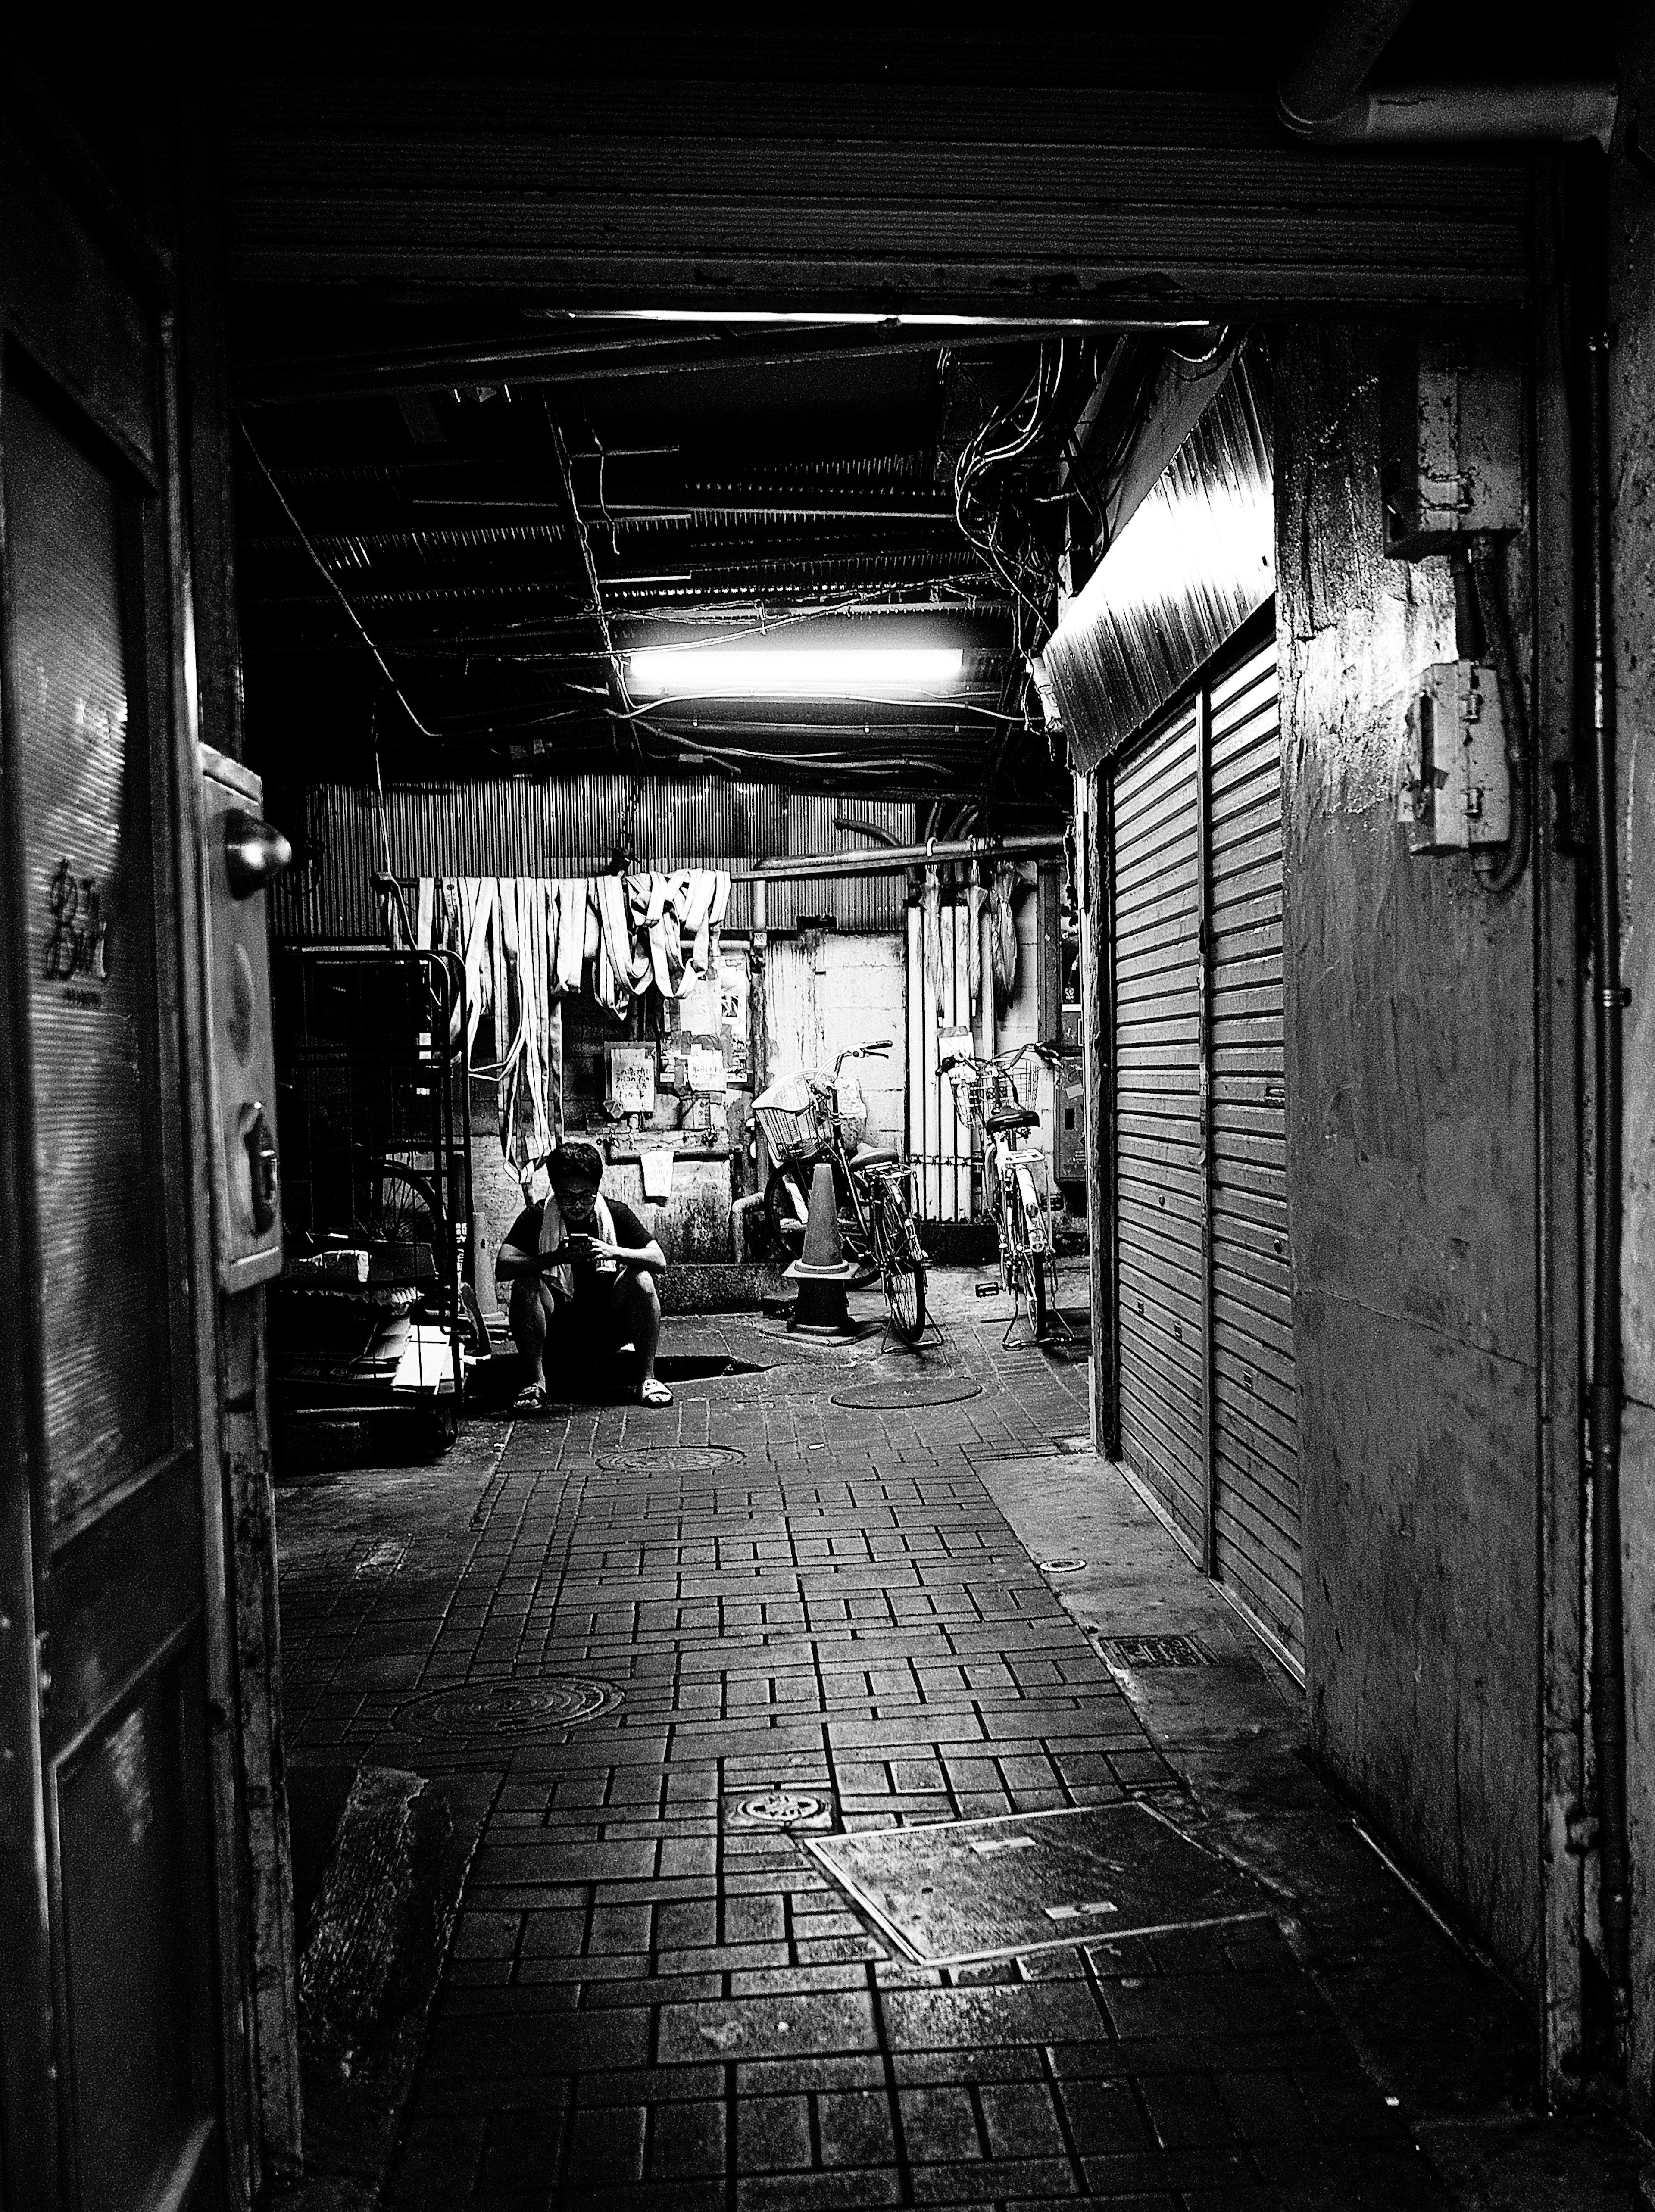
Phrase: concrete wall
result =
(1632, 308)
(1409, 1025)
(826, 990)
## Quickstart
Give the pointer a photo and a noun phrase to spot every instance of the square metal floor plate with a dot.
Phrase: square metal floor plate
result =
(1140, 1651)
(950, 1893)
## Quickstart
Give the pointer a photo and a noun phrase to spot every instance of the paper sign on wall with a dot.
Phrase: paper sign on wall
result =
(631, 1078)
(707, 1069)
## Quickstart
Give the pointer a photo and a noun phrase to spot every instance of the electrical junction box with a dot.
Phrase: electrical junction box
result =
(1450, 420)
(241, 856)
(1457, 798)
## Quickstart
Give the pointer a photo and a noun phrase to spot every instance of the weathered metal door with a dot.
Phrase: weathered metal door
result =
(111, 2060)
(1255, 1439)
(1155, 918)
(1206, 1389)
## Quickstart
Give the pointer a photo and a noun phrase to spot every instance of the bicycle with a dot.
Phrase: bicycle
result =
(809, 1119)
(1016, 1181)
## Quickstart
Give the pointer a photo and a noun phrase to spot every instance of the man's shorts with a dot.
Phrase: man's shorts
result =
(586, 1328)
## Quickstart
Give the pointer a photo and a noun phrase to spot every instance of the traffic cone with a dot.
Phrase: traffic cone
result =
(822, 1270)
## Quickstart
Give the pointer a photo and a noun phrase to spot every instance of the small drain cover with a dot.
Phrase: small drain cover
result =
(1066, 1564)
(671, 1459)
(1156, 1650)
(509, 1707)
(894, 1394)
(781, 1808)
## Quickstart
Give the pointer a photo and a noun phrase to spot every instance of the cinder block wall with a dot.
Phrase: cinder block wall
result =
(1409, 1029)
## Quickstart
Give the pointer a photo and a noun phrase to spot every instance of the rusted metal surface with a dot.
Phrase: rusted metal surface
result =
(1409, 1007)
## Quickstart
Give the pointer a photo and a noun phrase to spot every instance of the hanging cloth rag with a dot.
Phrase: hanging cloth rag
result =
(1003, 936)
(554, 1235)
(623, 969)
(701, 917)
(974, 899)
(574, 896)
(716, 914)
(931, 909)
(531, 1070)
(663, 924)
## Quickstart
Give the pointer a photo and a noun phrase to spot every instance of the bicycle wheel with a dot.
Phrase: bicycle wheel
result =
(1028, 1262)
(901, 1275)
(786, 1207)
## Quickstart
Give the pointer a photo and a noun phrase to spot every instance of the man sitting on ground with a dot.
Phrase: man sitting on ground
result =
(582, 1271)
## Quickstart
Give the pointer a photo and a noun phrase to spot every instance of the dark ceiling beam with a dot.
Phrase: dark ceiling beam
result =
(1165, 192)
(453, 370)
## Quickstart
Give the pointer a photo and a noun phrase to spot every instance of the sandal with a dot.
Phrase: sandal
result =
(652, 1391)
(532, 1399)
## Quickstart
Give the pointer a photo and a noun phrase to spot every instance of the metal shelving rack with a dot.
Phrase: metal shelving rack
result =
(373, 1080)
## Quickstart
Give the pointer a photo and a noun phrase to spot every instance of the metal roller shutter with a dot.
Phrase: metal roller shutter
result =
(1155, 924)
(1255, 1428)
(1203, 1342)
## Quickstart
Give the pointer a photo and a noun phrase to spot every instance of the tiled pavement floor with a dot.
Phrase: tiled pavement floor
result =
(648, 2004)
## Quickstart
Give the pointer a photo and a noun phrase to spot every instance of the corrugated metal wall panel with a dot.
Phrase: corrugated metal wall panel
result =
(1208, 1395)
(514, 826)
(1155, 918)
(862, 903)
(1255, 1426)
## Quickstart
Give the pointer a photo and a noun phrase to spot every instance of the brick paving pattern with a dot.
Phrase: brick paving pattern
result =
(652, 2004)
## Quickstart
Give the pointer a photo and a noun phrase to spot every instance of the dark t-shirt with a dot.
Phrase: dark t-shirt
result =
(629, 1234)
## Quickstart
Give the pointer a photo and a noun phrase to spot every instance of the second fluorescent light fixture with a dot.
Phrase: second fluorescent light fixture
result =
(852, 672)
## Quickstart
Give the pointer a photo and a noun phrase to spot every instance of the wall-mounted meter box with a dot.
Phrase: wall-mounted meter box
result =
(1451, 421)
(1457, 796)
(241, 857)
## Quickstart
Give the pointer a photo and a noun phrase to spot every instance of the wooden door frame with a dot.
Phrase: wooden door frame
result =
(115, 253)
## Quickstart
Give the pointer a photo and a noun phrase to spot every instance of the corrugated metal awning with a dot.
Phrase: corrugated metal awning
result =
(1197, 559)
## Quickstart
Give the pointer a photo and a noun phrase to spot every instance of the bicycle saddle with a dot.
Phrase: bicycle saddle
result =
(876, 1156)
(1011, 1117)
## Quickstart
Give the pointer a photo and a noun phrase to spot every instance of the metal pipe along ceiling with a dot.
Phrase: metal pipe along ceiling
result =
(1332, 62)
(1323, 95)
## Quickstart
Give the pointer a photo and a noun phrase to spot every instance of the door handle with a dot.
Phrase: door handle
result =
(262, 1165)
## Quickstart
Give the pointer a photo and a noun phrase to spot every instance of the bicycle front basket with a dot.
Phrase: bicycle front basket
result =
(793, 1118)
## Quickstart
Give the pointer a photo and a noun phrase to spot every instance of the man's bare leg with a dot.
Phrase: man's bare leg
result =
(637, 1305)
(530, 1315)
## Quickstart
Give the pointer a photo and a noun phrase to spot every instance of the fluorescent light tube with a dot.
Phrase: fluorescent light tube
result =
(794, 672)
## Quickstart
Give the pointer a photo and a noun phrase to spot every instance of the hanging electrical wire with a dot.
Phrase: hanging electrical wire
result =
(987, 508)
(332, 582)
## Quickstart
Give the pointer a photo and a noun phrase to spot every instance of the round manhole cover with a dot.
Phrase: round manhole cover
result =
(896, 1392)
(783, 1808)
(1066, 1565)
(671, 1459)
(509, 1708)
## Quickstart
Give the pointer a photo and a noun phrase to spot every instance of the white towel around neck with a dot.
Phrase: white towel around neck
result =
(554, 1235)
